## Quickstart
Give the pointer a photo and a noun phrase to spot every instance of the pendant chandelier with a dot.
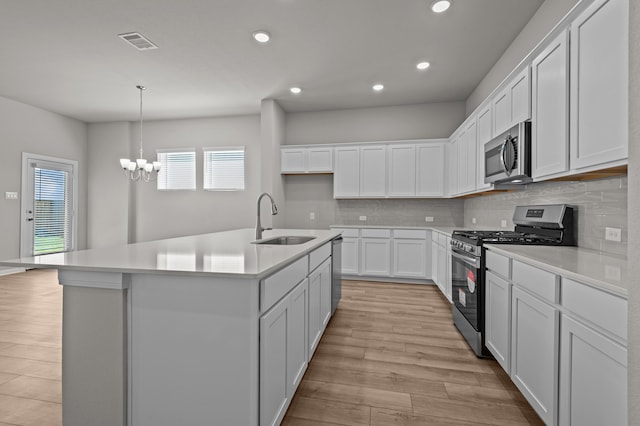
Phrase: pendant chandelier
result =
(140, 169)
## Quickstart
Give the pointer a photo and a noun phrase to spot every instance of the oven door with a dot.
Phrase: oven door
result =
(466, 282)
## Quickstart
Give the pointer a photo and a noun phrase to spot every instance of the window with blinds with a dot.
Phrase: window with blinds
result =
(224, 169)
(177, 170)
(53, 210)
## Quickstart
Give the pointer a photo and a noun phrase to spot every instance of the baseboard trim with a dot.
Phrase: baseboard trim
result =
(10, 271)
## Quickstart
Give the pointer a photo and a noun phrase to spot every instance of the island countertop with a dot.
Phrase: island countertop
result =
(219, 254)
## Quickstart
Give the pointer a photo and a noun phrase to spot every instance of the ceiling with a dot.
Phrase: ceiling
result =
(65, 55)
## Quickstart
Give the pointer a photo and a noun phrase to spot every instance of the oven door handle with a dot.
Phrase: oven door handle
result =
(472, 261)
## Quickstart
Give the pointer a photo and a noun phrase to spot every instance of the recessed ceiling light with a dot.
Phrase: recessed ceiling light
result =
(261, 36)
(378, 87)
(440, 6)
(423, 65)
(295, 90)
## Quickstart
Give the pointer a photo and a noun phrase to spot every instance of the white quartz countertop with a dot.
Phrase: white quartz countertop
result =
(442, 229)
(224, 254)
(590, 267)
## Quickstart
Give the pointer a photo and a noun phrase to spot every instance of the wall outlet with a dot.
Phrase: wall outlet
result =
(363, 218)
(613, 234)
(473, 220)
(612, 272)
(428, 219)
(11, 195)
(312, 216)
(503, 223)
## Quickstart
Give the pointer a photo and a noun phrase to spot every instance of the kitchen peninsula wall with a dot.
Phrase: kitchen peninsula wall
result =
(600, 203)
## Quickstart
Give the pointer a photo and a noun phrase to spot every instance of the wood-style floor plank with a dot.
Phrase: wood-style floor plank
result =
(402, 343)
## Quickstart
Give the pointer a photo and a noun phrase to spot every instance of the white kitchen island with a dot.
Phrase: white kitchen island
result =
(201, 330)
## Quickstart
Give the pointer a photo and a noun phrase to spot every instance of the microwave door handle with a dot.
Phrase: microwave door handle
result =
(503, 153)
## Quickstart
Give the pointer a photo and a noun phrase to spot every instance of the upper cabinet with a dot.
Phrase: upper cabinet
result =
(550, 109)
(484, 122)
(402, 170)
(429, 170)
(346, 178)
(599, 84)
(513, 104)
(311, 159)
(373, 171)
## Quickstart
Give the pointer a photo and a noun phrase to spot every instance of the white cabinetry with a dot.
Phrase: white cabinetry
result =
(550, 109)
(346, 178)
(410, 254)
(467, 150)
(484, 123)
(402, 170)
(452, 167)
(350, 250)
(430, 170)
(497, 320)
(534, 352)
(312, 159)
(513, 104)
(373, 171)
(375, 252)
(441, 258)
(599, 84)
(319, 303)
(283, 349)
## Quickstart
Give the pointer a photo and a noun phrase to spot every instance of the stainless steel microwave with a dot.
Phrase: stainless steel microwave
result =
(507, 157)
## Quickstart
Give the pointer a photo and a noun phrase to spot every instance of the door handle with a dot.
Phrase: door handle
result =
(29, 219)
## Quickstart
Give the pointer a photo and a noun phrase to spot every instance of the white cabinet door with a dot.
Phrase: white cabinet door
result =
(599, 84)
(442, 270)
(430, 170)
(402, 170)
(409, 258)
(315, 317)
(319, 159)
(471, 146)
(462, 163)
(452, 168)
(497, 320)
(375, 256)
(325, 293)
(550, 109)
(447, 270)
(274, 395)
(373, 171)
(485, 133)
(350, 255)
(292, 160)
(346, 178)
(297, 329)
(593, 378)
(534, 352)
(513, 104)
(434, 258)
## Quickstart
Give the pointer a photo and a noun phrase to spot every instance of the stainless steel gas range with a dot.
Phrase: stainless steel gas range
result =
(539, 225)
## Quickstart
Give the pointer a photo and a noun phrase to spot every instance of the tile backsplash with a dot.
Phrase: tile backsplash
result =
(401, 212)
(600, 203)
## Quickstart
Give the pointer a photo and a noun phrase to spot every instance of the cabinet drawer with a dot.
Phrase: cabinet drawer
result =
(277, 285)
(498, 264)
(410, 233)
(602, 309)
(318, 256)
(375, 233)
(537, 281)
(348, 232)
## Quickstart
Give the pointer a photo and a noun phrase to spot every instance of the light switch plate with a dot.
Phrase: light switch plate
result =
(473, 220)
(363, 218)
(428, 219)
(503, 223)
(11, 195)
(312, 216)
(613, 234)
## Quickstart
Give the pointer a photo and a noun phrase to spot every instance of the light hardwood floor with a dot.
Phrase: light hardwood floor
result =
(390, 356)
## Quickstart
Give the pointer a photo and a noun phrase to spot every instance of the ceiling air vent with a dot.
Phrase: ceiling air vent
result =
(138, 41)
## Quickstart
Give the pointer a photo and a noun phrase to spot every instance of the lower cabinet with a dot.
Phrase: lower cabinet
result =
(319, 303)
(497, 320)
(534, 352)
(375, 252)
(411, 255)
(441, 258)
(283, 353)
(593, 377)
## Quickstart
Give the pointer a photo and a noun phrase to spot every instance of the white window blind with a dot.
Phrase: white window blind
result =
(177, 170)
(224, 169)
(53, 209)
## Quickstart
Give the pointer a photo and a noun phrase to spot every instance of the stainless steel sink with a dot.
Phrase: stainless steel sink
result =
(287, 240)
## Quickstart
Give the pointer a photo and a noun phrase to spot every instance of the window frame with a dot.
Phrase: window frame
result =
(165, 166)
(208, 166)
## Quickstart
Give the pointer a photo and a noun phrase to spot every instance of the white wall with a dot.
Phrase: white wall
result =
(24, 128)
(634, 214)
(272, 125)
(420, 121)
(547, 16)
(166, 214)
(108, 195)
